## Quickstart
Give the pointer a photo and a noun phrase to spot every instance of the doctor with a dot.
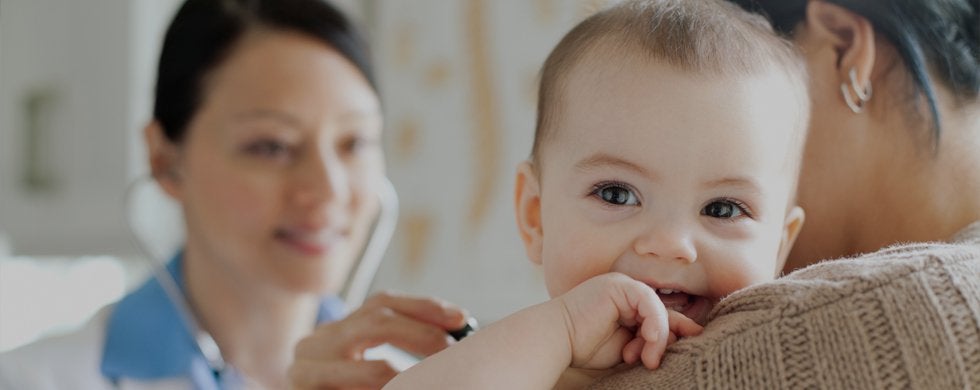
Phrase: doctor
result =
(266, 130)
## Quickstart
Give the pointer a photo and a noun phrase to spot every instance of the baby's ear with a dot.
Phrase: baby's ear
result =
(527, 206)
(791, 230)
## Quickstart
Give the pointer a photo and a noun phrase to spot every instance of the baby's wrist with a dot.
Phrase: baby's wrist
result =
(558, 324)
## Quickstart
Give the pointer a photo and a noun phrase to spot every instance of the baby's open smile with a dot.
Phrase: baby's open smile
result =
(692, 306)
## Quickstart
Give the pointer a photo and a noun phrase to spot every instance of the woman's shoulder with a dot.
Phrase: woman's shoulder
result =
(931, 266)
(66, 361)
(903, 272)
(899, 259)
(904, 316)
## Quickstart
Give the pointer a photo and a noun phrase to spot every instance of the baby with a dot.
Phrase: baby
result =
(662, 179)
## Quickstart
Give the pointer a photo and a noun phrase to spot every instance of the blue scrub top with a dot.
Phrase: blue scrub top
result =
(147, 340)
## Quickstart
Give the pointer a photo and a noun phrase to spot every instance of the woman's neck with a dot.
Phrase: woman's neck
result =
(255, 325)
(962, 166)
(929, 196)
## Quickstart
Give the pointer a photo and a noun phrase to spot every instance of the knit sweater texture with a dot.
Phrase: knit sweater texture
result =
(907, 316)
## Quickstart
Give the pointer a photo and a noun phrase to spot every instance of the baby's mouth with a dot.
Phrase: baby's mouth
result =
(678, 301)
(694, 307)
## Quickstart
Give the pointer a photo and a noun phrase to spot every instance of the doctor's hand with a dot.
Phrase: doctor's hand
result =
(332, 356)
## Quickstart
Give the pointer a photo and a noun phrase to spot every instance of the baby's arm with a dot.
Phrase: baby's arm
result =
(588, 327)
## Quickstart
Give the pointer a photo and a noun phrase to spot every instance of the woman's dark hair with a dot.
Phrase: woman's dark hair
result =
(204, 32)
(942, 35)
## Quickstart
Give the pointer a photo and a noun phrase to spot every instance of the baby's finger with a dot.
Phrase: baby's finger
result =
(643, 307)
(637, 303)
(632, 350)
(655, 331)
(681, 326)
(652, 353)
(653, 359)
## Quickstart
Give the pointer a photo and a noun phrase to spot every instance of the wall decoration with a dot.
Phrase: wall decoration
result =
(486, 137)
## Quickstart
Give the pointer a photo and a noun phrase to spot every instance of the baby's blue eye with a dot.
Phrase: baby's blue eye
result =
(616, 194)
(723, 209)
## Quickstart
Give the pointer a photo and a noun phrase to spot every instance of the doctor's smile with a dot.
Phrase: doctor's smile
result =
(313, 242)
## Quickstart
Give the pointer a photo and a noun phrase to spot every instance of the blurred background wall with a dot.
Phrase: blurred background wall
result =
(458, 81)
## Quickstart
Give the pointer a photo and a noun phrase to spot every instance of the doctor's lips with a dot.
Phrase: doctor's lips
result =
(311, 242)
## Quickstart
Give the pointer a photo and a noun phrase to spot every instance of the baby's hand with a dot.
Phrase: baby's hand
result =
(613, 318)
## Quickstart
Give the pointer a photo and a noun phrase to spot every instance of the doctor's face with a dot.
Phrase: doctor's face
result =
(279, 170)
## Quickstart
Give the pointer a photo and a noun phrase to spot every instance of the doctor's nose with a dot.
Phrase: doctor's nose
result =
(666, 242)
(322, 181)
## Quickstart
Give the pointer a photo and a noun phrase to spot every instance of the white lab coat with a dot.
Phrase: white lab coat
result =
(71, 362)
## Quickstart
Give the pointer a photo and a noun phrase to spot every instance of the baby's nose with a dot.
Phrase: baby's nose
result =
(666, 242)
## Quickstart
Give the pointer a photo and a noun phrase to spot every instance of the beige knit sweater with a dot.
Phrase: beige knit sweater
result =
(907, 316)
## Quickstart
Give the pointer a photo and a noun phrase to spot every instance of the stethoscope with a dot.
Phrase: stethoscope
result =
(354, 292)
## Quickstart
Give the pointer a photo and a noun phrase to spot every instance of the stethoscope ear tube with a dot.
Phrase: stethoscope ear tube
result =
(202, 339)
(359, 282)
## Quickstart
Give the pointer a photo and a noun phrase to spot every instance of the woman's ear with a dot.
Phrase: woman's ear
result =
(791, 230)
(162, 154)
(527, 206)
(850, 36)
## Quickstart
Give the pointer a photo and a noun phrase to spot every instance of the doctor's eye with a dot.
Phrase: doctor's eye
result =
(615, 194)
(725, 209)
(270, 149)
(357, 143)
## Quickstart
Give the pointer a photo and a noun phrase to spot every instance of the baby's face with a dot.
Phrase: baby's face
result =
(680, 181)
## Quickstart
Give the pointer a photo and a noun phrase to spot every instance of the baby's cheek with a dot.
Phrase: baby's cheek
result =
(566, 269)
(747, 271)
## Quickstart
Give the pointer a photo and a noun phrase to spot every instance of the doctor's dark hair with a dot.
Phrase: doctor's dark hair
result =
(938, 35)
(204, 33)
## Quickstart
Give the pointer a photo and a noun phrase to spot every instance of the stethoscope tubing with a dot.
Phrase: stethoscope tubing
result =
(355, 290)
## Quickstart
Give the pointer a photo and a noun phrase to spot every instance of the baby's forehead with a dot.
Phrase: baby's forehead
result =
(729, 74)
(640, 106)
(767, 100)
